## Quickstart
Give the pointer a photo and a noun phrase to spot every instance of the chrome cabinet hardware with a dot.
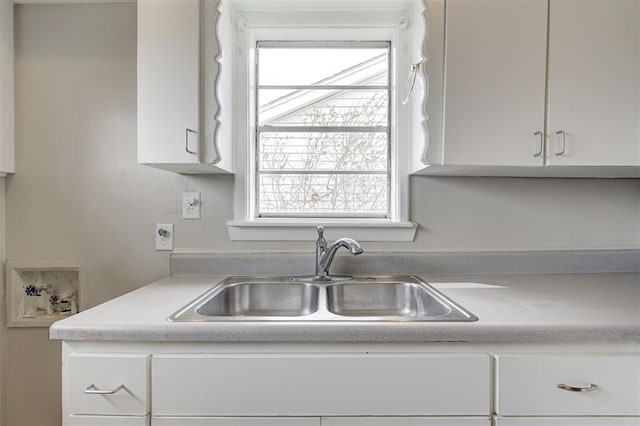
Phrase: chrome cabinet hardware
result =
(561, 140)
(93, 390)
(538, 153)
(411, 82)
(569, 388)
(186, 140)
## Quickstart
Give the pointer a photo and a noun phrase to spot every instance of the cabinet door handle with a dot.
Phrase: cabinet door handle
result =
(93, 390)
(186, 140)
(569, 388)
(538, 153)
(561, 140)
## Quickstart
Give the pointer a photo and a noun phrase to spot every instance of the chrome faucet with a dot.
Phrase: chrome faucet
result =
(325, 253)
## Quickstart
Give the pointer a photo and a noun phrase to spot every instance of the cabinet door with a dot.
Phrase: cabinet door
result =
(568, 421)
(495, 82)
(236, 421)
(168, 81)
(594, 82)
(404, 421)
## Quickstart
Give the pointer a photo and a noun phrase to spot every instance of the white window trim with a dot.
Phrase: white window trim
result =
(242, 22)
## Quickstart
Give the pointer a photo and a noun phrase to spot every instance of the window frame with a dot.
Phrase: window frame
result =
(251, 23)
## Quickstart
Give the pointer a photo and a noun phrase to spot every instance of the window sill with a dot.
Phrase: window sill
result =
(295, 230)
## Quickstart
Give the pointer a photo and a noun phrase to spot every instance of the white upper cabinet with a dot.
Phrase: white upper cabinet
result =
(177, 129)
(7, 163)
(594, 82)
(535, 83)
(495, 82)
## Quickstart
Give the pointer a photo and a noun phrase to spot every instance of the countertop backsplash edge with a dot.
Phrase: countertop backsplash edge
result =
(418, 263)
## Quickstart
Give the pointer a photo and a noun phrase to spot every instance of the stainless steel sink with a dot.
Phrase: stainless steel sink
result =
(363, 298)
(253, 298)
(262, 299)
(397, 299)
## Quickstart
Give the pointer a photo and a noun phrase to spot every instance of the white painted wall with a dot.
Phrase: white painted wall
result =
(3, 332)
(6, 164)
(78, 194)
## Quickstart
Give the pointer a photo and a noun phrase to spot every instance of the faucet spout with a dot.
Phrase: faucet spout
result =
(325, 253)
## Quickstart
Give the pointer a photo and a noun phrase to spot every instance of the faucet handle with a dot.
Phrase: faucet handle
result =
(320, 230)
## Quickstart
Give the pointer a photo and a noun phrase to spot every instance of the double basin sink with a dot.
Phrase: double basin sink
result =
(359, 298)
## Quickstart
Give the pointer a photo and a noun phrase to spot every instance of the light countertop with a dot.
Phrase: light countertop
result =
(510, 308)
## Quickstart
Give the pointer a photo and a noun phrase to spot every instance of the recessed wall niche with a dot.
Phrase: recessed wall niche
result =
(38, 294)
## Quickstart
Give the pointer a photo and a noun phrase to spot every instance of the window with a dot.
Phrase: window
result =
(320, 134)
(323, 120)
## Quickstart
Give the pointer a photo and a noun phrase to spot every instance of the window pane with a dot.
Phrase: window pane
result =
(342, 151)
(323, 107)
(290, 195)
(322, 129)
(322, 65)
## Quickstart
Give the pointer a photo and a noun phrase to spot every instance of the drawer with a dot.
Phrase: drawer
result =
(528, 385)
(107, 421)
(313, 385)
(88, 375)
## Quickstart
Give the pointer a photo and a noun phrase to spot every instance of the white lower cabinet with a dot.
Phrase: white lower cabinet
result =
(332, 384)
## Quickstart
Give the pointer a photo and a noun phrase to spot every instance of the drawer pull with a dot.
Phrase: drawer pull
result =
(589, 388)
(93, 390)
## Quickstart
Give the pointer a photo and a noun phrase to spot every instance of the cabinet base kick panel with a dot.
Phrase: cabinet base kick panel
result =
(320, 421)
(404, 421)
(236, 421)
(313, 385)
(569, 421)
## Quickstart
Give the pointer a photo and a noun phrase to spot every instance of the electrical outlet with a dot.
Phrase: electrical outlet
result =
(164, 236)
(191, 205)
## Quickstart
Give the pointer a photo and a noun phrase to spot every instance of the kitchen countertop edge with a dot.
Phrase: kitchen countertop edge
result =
(511, 308)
